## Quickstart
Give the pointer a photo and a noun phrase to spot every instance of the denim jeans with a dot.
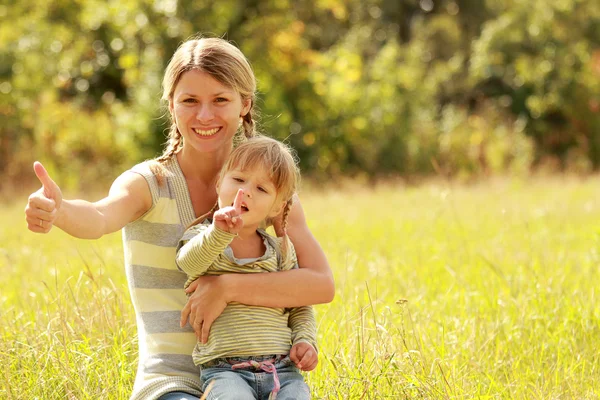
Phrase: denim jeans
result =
(250, 384)
(178, 396)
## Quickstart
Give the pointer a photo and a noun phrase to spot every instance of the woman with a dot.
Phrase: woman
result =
(209, 87)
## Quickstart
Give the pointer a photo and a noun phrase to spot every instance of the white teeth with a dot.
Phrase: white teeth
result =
(206, 133)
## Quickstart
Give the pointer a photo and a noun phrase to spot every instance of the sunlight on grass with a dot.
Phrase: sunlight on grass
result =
(486, 291)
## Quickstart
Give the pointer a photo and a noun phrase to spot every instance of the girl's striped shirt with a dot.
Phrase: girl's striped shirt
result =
(242, 330)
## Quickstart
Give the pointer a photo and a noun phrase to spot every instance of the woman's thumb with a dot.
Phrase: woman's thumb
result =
(51, 189)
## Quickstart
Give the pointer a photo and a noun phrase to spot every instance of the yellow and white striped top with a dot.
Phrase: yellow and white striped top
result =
(243, 330)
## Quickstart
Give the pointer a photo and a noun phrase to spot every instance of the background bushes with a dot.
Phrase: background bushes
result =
(372, 88)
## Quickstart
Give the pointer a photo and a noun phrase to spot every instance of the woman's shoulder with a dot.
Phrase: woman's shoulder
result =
(142, 182)
(153, 168)
(158, 175)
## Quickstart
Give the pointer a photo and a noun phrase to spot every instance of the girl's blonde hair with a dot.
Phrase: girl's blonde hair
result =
(280, 163)
(222, 61)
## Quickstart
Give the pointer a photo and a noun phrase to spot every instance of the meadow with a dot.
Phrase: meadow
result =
(443, 291)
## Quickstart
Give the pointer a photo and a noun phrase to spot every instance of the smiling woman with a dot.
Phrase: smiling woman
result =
(209, 87)
(205, 111)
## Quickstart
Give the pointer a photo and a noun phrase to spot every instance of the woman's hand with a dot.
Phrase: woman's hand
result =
(43, 206)
(204, 306)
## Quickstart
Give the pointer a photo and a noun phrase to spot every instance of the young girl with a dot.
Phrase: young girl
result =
(251, 351)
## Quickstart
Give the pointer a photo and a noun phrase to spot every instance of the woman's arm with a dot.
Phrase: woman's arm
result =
(311, 284)
(129, 197)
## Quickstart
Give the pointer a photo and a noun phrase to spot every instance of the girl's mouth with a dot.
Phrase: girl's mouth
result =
(244, 207)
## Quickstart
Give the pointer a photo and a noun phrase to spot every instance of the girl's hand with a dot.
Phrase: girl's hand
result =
(43, 206)
(204, 305)
(229, 218)
(304, 356)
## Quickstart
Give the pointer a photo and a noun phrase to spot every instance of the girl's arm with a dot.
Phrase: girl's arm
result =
(311, 284)
(129, 197)
(199, 248)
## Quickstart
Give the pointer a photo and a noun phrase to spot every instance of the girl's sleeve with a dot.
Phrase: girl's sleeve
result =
(303, 324)
(199, 248)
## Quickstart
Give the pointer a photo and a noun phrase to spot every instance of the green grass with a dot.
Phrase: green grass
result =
(488, 291)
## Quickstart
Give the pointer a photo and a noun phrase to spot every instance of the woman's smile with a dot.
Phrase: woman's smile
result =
(206, 132)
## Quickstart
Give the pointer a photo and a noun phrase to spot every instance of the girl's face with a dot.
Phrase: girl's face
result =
(207, 113)
(260, 195)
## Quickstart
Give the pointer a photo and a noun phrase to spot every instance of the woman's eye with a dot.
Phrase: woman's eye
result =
(221, 99)
(190, 100)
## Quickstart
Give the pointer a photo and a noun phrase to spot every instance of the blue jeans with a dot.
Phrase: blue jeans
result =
(177, 396)
(250, 384)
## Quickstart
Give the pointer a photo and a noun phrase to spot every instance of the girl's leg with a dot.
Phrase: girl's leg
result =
(291, 381)
(178, 396)
(293, 386)
(228, 385)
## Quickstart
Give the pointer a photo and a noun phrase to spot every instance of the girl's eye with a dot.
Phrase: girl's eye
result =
(240, 180)
(262, 189)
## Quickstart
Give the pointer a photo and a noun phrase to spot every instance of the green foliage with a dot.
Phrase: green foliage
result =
(541, 60)
(370, 88)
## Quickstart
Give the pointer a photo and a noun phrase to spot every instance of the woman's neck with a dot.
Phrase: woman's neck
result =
(201, 171)
(204, 167)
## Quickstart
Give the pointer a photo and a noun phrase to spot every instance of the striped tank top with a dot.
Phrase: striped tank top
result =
(156, 287)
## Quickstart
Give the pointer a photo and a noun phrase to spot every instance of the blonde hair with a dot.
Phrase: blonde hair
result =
(278, 160)
(222, 61)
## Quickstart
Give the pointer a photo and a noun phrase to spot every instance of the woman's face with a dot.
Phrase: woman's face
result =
(207, 113)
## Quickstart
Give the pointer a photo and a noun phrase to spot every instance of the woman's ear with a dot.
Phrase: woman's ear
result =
(246, 105)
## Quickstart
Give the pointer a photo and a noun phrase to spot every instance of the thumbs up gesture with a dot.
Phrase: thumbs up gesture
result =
(42, 206)
(229, 218)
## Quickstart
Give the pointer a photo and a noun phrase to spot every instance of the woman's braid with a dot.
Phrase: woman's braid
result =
(175, 142)
(157, 166)
(248, 124)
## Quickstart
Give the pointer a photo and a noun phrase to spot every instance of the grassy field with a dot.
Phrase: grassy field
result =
(489, 291)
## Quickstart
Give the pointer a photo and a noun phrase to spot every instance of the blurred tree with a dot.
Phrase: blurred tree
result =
(540, 60)
(373, 87)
